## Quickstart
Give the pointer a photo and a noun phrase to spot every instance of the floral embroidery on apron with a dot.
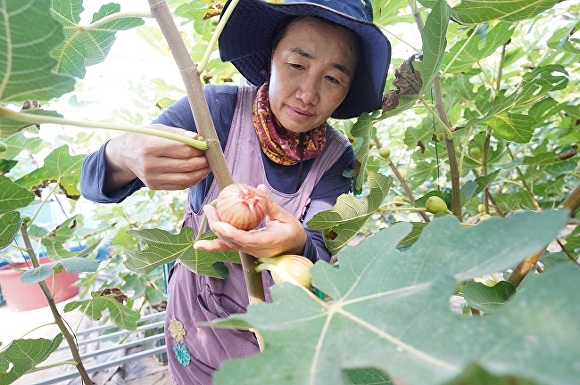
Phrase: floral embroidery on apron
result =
(180, 350)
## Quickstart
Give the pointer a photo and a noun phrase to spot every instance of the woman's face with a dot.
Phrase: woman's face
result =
(312, 68)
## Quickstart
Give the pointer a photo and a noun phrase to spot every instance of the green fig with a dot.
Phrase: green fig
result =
(385, 152)
(398, 201)
(436, 205)
(288, 268)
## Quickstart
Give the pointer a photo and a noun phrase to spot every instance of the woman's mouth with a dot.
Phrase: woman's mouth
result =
(300, 112)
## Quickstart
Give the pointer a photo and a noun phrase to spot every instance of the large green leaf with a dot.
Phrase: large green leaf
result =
(121, 315)
(517, 128)
(387, 12)
(84, 46)
(535, 86)
(61, 167)
(10, 223)
(23, 355)
(72, 265)
(164, 247)
(434, 42)
(362, 130)
(13, 196)
(469, 51)
(487, 298)
(349, 214)
(19, 142)
(55, 241)
(477, 11)
(542, 159)
(28, 33)
(390, 310)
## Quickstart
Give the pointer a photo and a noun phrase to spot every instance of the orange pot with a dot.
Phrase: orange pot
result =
(21, 296)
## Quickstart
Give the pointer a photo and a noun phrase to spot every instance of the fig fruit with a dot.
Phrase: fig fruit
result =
(241, 205)
(288, 268)
(436, 205)
(475, 152)
(385, 152)
(398, 201)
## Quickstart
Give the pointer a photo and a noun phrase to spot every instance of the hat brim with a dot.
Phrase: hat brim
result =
(247, 37)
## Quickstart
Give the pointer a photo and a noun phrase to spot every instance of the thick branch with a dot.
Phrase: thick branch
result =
(453, 168)
(204, 124)
(441, 116)
(523, 268)
(572, 201)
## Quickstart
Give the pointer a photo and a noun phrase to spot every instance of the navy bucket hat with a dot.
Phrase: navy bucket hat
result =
(246, 41)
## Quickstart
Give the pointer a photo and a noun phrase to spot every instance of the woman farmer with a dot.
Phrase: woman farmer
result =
(306, 61)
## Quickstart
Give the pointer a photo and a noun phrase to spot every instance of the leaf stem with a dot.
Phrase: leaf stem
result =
(523, 181)
(36, 328)
(214, 37)
(416, 49)
(55, 364)
(19, 248)
(416, 15)
(36, 119)
(446, 127)
(489, 198)
(401, 180)
(461, 50)
(43, 202)
(115, 16)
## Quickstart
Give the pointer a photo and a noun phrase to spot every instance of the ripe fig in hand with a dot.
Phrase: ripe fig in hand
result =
(242, 206)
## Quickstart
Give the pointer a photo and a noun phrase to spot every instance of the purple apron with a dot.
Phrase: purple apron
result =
(195, 353)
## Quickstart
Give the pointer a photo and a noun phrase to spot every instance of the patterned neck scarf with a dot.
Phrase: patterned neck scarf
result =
(280, 145)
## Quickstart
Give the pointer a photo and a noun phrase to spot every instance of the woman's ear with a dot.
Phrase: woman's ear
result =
(265, 72)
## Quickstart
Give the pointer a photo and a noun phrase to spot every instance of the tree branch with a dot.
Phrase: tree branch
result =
(205, 127)
(402, 180)
(441, 117)
(523, 268)
(70, 339)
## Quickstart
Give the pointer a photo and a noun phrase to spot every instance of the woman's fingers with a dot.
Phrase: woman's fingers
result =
(161, 164)
(282, 234)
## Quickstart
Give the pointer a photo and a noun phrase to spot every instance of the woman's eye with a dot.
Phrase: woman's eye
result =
(296, 66)
(332, 80)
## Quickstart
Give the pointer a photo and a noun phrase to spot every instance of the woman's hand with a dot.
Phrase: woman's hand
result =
(161, 164)
(283, 233)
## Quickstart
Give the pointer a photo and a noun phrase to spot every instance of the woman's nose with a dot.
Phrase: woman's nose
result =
(308, 91)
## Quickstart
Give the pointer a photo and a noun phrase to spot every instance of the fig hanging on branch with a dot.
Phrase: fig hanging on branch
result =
(241, 205)
(436, 205)
(288, 268)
